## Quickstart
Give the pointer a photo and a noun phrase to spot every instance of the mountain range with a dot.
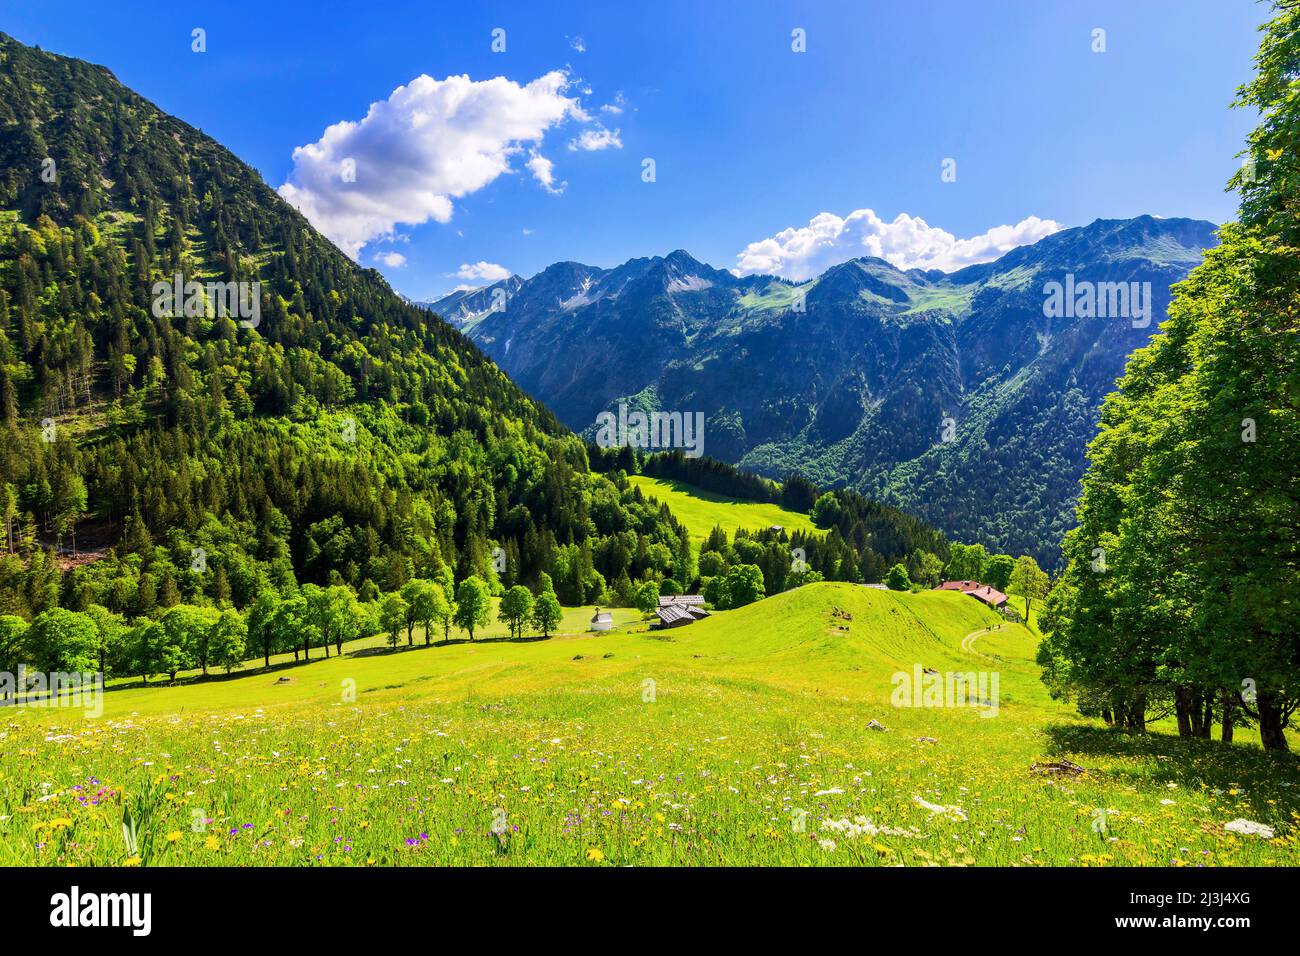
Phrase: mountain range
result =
(966, 398)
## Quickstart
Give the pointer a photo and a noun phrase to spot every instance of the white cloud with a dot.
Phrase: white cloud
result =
(908, 242)
(432, 141)
(579, 44)
(615, 108)
(543, 171)
(394, 260)
(489, 271)
(595, 139)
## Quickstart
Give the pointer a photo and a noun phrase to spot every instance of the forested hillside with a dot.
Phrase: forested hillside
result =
(348, 438)
(863, 538)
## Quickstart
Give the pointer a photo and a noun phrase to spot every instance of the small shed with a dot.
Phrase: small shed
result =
(602, 620)
(672, 615)
(677, 609)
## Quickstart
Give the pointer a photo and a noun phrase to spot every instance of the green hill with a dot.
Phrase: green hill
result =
(742, 739)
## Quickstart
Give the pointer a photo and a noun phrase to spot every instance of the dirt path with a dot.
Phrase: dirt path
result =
(968, 642)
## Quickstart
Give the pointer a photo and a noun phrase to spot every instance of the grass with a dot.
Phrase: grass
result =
(943, 298)
(742, 739)
(774, 297)
(575, 621)
(701, 511)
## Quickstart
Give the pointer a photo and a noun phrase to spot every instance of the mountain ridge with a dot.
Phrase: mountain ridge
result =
(438, 304)
(853, 390)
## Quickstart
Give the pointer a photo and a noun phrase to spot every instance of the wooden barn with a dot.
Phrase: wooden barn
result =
(676, 610)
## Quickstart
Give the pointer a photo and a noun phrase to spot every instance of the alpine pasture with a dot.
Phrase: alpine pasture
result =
(701, 510)
(743, 739)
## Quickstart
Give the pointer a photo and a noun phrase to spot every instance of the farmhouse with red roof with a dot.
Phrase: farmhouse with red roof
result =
(980, 592)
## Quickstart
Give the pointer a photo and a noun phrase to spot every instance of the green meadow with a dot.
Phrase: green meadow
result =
(743, 739)
(701, 511)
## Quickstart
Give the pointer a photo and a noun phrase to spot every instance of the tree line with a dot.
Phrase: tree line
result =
(296, 620)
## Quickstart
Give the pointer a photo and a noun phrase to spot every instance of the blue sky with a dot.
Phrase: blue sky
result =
(749, 138)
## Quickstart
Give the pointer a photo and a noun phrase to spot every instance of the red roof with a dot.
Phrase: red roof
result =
(982, 592)
(990, 596)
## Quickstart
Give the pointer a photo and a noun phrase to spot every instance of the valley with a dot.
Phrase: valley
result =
(868, 563)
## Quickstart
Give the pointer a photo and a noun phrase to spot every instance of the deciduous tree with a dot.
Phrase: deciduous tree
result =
(473, 609)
